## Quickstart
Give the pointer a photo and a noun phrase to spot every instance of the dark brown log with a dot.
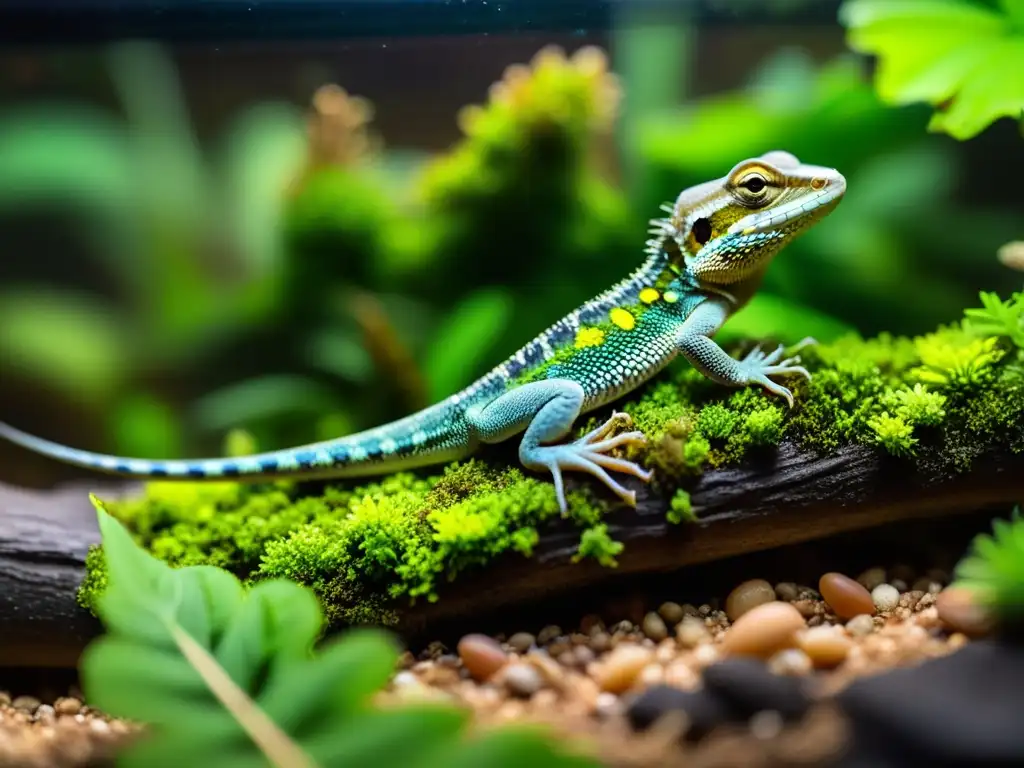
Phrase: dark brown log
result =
(44, 538)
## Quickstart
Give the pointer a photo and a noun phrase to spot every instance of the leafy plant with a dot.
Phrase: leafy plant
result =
(997, 317)
(964, 58)
(994, 568)
(227, 676)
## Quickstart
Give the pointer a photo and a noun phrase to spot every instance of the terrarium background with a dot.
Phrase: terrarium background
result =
(912, 245)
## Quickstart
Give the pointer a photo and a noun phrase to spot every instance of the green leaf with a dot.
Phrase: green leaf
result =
(229, 677)
(464, 339)
(70, 341)
(966, 60)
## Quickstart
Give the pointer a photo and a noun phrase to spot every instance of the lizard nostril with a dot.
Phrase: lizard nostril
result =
(819, 183)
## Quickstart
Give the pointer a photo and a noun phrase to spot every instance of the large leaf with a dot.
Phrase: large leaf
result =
(68, 340)
(964, 59)
(465, 337)
(228, 677)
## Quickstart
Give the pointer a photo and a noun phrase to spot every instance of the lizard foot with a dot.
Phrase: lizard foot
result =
(589, 454)
(758, 366)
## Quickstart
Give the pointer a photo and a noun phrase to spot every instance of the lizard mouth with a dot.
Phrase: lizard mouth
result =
(828, 187)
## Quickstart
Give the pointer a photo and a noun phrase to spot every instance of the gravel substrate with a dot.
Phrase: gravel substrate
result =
(749, 680)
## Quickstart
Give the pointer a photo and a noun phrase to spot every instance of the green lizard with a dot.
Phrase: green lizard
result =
(704, 262)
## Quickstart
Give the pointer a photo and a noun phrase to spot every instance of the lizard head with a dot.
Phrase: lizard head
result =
(729, 229)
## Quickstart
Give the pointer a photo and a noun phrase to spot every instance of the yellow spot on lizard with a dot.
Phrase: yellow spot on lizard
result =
(671, 297)
(589, 337)
(622, 318)
(649, 295)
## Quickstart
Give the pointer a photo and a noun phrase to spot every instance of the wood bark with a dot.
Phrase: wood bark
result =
(794, 497)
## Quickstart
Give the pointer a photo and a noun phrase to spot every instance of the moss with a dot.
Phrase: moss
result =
(940, 402)
(680, 509)
(597, 544)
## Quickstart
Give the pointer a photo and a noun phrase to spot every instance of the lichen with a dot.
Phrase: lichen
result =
(369, 549)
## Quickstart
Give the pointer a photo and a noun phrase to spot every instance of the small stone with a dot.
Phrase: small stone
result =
(691, 632)
(766, 725)
(861, 625)
(787, 591)
(846, 597)
(790, 661)
(763, 630)
(584, 655)
(703, 711)
(750, 687)
(671, 612)
(924, 584)
(747, 595)
(827, 647)
(45, 713)
(654, 627)
(600, 642)
(522, 680)
(548, 634)
(620, 669)
(521, 642)
(885, 597)
(25, 703)
(871, 578)
(607, 704)
(959, 610)
(900, 585)
(99, 726)
(481, 655)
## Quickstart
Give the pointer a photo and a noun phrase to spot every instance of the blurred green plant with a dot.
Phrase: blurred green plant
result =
(964, 57)
(167, 226)
(221, 674)
(993, 569)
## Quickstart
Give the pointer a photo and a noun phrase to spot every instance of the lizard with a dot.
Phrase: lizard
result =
(703, 262)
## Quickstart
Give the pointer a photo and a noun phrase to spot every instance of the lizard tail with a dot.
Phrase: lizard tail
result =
(411, 442)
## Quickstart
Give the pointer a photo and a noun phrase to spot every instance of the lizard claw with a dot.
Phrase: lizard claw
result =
(758, 366)
(590, 454)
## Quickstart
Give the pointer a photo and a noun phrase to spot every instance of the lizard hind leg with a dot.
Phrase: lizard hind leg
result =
(549, 408)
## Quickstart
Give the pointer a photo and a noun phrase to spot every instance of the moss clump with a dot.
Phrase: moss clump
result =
(597, 544)
(939, 402)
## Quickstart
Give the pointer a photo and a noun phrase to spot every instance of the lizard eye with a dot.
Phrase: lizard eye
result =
(702, 231)
(754, 183)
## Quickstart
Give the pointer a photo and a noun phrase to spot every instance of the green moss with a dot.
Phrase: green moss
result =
(940, 402)
(597, 544)
(680, 509)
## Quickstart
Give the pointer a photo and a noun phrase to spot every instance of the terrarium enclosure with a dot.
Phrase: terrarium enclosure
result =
(226, 233)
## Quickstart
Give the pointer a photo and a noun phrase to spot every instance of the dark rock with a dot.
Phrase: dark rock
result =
(705, 711)
(748, 688)
(962, 709)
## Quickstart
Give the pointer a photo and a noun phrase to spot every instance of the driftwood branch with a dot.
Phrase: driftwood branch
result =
(795, 497)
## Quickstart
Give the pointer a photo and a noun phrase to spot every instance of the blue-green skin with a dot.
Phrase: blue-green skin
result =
(501, 404)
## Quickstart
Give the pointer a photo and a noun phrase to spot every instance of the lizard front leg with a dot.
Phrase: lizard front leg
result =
(548, 409)
(705, 355)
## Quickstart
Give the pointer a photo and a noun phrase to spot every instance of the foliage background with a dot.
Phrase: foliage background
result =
(203, 237)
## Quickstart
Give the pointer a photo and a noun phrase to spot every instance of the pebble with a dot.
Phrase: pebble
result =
(618, 672)
(671, 612)
(522, 680)
(885, 597)
(959, 611)
(763, 630)
(790, 661)
(845, 597)
(750, 687)
(26, 703)
(704, 711)
(548, 634)
(871, 578)
(67, 705)
(521, 642)
(481, 655)
(45, 713)
(787, 591)
(826, 646)
(691, 632)
(747, 595)
(654, 627)
(861, 625)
